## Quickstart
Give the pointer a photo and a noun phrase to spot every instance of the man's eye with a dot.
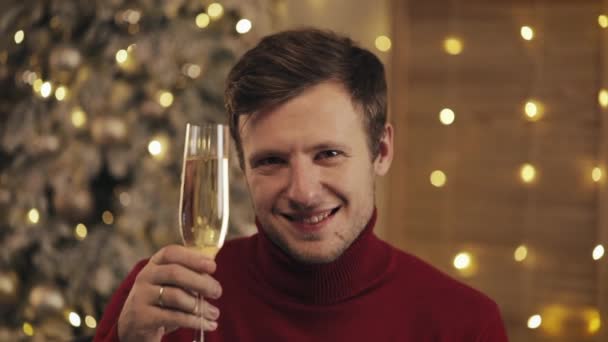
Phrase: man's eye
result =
(269, 161)
(328, 154)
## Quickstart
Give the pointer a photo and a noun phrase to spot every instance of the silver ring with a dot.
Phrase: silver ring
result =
(195, 310)
(160, 296)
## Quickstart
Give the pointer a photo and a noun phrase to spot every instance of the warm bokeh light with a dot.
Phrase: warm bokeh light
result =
(33, 215)
(46, 89)
(462, 261)
(107, 217)
(521, 253)
(60, 93)
(533, 110)
(596, 174)
(594, 321)
(19, 37)
(165, 99)
(90, 321)
(535, 321)
(602, 20)
(447, 116)
(125, 199)
(215, 10)
(74, 319)
(526, 32)
(598, 252)
(37, 85)
(28, 329)
(527, 173)
(80, 231)
(78, 117)
(202, 20)
(453, 46)
(383, 43)
(193, 71)
(155, 148)
(121, 56)
(438, 178)
(602, 98)
(243, 26)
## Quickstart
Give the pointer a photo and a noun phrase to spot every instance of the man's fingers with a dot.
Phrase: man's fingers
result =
(178, 276)
(189, 258)
(170, 318)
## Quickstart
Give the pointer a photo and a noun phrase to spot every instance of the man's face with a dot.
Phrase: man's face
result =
(310, 172)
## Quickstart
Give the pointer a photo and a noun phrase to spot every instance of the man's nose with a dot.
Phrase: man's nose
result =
(303, 189)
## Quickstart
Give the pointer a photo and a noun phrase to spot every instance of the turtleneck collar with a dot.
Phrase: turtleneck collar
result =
(360, 267)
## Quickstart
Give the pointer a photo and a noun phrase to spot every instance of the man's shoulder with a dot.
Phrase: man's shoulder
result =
(430, 283)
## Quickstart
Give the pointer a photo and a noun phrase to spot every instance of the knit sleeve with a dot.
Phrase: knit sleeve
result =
(494, 330)
(107, 331)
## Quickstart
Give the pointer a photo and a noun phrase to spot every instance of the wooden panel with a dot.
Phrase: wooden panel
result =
(485, 208)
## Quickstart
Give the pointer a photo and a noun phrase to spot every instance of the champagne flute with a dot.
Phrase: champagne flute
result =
(203, 204)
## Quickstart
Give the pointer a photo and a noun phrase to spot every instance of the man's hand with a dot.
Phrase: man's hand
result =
(181, 273)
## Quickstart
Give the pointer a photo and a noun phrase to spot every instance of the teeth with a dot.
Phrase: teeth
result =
(315, 219)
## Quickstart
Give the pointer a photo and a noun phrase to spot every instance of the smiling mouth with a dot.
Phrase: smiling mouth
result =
(311, 218)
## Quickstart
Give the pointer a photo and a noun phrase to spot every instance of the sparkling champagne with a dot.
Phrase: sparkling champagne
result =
(204, 204)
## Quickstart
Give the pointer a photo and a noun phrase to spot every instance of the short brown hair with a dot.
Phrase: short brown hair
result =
(282, 65)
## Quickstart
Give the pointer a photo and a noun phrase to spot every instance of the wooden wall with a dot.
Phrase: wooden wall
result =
(485, 208)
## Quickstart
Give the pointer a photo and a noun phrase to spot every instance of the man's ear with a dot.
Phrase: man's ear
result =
(383, 160)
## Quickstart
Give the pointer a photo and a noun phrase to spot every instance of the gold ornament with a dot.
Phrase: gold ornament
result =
(71, 203)
(108, 129)
(44, 299)
(9, 288)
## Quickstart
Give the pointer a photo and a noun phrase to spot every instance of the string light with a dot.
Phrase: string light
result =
(533, 110)
(598, 252)
(46, 89)
(130, 48)
(79, 117)
(61, 93)
(520, 253)
(447, 116)
(192, 70)
(80, 231)
(527, 173)
(453, 46)
(107, 217)
(526, 32)
(28, 329)
(19, 37)
(37, 85)
(594, 322)
(74, 319)
(438, 178)
(215, 10)
(125, 199)
(165, 98)
(243, 26)
(602, 98)
(596, 174)
(202, 20)
(121, 56)
(602, 20)
(158, 147)
(383, 43)
(462, 261)
(535, 321)
(33, 215)
(90, 321)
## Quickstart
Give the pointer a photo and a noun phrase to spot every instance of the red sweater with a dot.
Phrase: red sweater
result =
(373, 292)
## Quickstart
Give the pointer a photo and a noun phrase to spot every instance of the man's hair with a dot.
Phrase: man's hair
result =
(283, 65)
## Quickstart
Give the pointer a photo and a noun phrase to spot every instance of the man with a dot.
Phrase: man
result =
(308, 114)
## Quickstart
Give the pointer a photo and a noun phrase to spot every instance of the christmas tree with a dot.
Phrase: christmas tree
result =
(94, 103)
